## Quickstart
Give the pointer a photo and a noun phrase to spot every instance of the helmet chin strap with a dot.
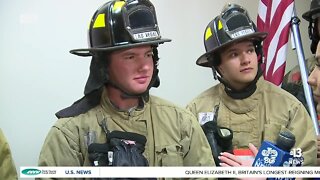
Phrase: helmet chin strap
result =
(239, 94)
(313, 36)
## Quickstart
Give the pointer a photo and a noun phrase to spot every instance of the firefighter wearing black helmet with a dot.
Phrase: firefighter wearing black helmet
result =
(292, 81)
(314, 34)
(252, 109)
(117, 115)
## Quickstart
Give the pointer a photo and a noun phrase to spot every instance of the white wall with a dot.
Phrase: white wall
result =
(39, 77)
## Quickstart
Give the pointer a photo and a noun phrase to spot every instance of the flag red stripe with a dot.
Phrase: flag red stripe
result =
(274, 68)
(283, 40)
(277, 17)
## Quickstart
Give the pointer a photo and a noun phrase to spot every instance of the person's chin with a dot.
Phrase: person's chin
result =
(248, 75)
(140, 90)
(248, 79)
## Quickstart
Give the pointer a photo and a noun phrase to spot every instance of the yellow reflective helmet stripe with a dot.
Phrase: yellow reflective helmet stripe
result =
(220, 25)
(100, 21)
(208, 33)
(117, 6)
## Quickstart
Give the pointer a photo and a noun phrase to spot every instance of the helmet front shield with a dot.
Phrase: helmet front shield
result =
(122, 24)
(231, 26)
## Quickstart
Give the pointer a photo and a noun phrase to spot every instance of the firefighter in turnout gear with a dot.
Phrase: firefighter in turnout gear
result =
(253, 109)
(313, 16)
(117, 116)
(292, 81)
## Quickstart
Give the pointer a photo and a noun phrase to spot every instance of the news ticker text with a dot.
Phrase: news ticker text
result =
(166, 172)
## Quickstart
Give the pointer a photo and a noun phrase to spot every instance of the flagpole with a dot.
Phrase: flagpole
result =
(301, 59)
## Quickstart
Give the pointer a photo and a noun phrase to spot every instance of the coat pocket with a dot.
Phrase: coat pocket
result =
(170, 155)
(272, 130)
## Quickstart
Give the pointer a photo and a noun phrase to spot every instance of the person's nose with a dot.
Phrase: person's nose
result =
(312, 80)
(245, 59)
(145, 63)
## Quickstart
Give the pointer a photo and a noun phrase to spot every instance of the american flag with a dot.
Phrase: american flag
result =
(274, 17)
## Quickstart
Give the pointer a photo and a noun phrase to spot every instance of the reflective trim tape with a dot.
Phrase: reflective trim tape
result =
(208, 33)
(220, 26)
(100, 21)
(117, 6)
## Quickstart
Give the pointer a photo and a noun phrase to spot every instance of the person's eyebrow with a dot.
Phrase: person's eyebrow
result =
(149, 51)
(130, 52)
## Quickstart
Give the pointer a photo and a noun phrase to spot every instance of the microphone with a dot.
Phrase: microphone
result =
(279, 154)
(275, 154)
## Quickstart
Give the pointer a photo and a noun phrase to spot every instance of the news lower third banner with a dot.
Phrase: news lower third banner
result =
(168, 172)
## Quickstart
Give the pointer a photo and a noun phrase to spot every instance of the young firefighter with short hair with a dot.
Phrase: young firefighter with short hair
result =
(117, 122)
(252, 109)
